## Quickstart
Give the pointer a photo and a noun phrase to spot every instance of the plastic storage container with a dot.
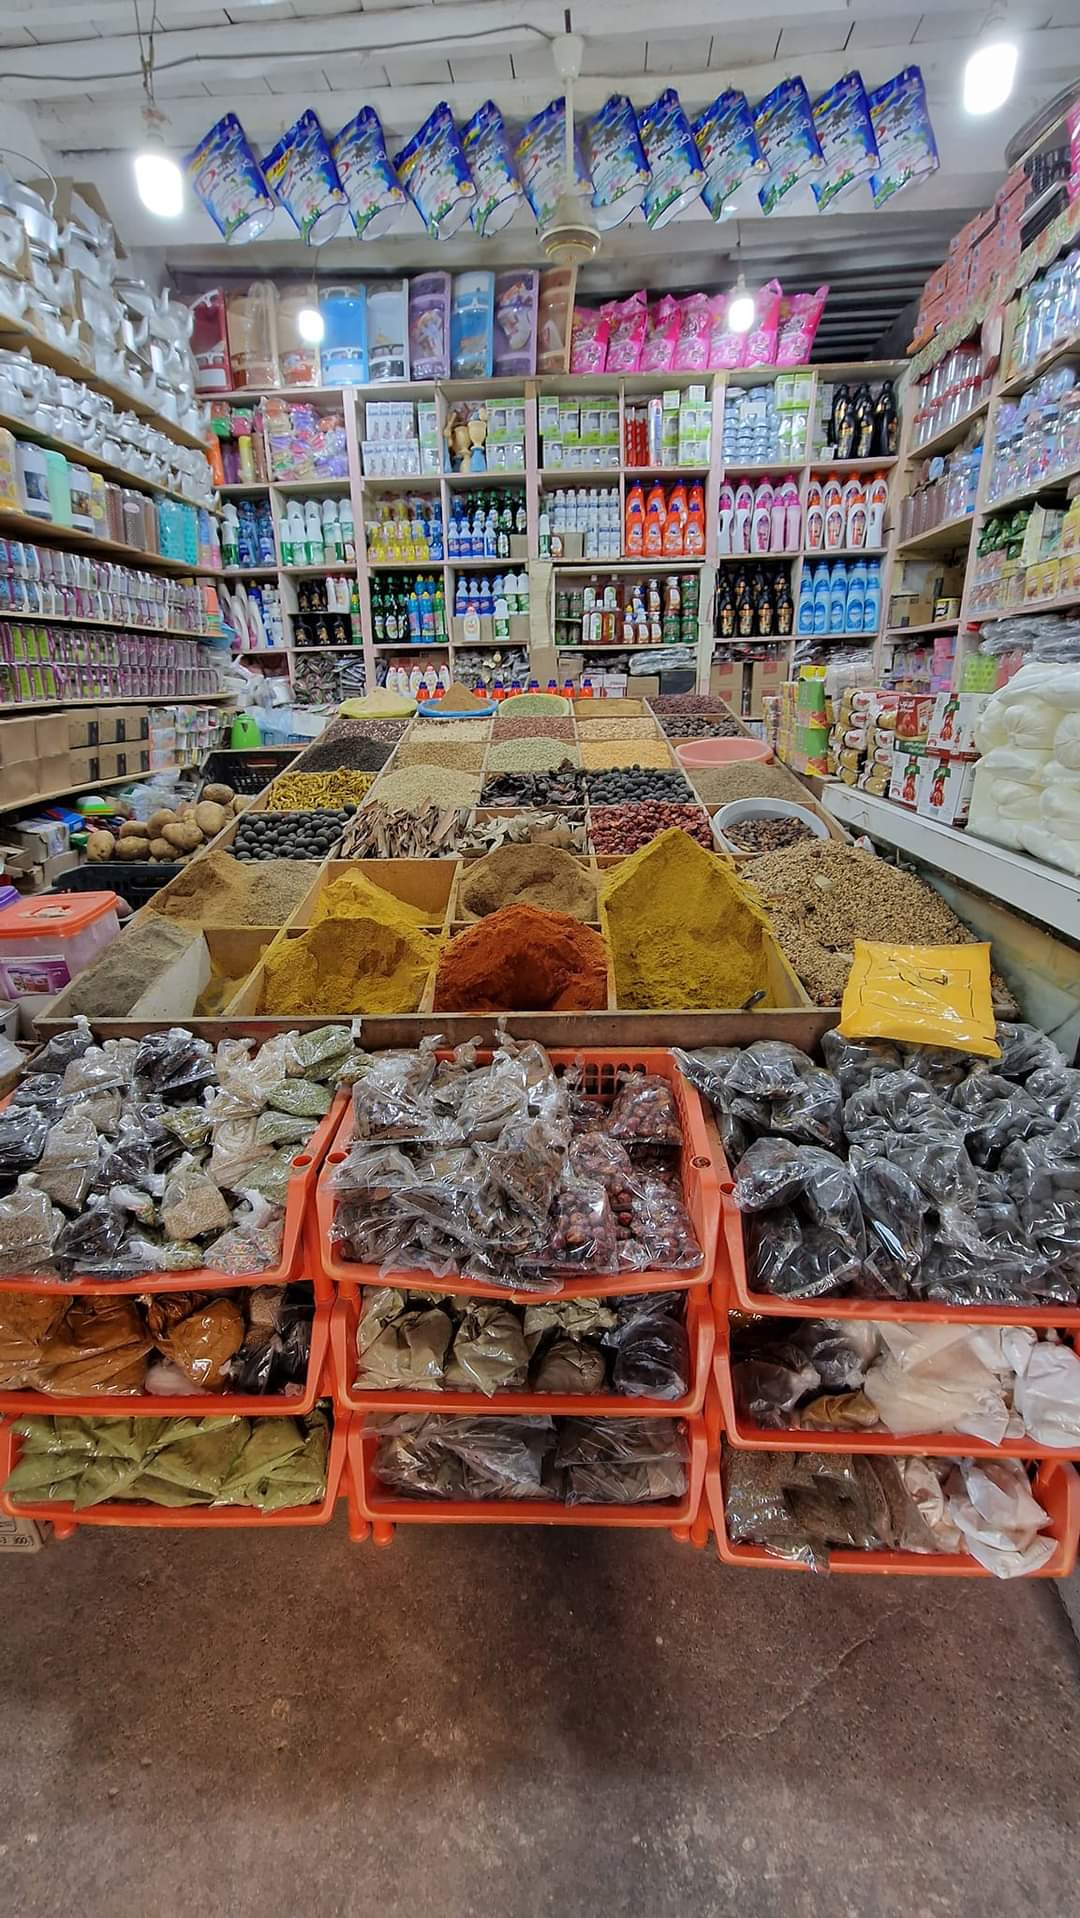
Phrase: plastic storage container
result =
(133, 880)
(762, 809)
(46, 940)
(695, 753)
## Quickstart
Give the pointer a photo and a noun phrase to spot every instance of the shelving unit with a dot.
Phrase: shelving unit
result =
(17, 337)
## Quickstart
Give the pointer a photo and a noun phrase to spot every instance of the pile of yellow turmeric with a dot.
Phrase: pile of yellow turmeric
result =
(682, 929)
(365, 951)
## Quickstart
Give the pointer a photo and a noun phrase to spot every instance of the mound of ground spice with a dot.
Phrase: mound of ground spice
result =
(683, 931)
(523, 960)
(458, 699)
(218, 890)
(367, 952)
(528, 875)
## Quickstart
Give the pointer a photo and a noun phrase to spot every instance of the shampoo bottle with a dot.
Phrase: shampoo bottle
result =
(838, 586)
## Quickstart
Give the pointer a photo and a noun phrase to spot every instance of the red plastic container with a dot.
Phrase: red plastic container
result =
(370, 1506)
(301, 1190)
(65, 1520)
(700, 1328)
(1056, 1486)
(196, 1404)
(700, 1192)
(745, 1436)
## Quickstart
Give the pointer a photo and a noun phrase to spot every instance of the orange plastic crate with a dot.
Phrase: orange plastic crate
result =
(372, 1508)
(745, 1436)
(700, 1330)
(204, 1279)
(1056, 1486)
(65, 1519)
(700, 1193)
(195, 1404)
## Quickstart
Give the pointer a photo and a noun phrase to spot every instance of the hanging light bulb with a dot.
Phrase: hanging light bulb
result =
(989, 76)
(741, 309)
(310, 325)
(159, 180)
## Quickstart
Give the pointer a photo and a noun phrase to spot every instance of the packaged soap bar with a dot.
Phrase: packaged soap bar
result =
(784, 125)
(435, 173)
(904, 137)
(516, 298)
(301, 171)
(846, 136)
(616, 160)
(676, 175)
(540, 158)
(728, 147)
(472, 326)
(429, 326)
(387, 330)
(364, 169)
(226, 177)
(486, 147)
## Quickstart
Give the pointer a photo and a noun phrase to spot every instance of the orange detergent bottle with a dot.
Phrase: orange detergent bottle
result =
(694, 529)
(634, 533)
(655, 521)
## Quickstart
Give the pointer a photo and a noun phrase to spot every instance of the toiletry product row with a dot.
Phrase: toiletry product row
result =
(841, 600)
(62, 585)
(660, 610)
(845, 515)
(486, 525)
(45, 661)
(766, 518)
(858, 423)
(46, 485)
(753, 603)
(665, 523)
(767, 424)
(316, 532)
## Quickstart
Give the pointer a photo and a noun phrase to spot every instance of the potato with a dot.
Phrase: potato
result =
(161, 849)
(184, 836)
(163, 817)
(239, 803)
(100, 845)
(128, 848)
(210, 818)
(221, 795)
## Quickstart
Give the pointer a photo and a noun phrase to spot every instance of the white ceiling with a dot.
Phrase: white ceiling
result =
(70, 83)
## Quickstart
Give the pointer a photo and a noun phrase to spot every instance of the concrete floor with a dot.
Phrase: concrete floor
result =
(518, 1723)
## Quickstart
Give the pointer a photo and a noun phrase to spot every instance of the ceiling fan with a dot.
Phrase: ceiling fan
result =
(571, 236)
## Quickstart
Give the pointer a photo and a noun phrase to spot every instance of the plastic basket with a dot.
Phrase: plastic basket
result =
(65, 1519)
(700, 1328)
(247, 773)
(744, 1435)
(301, 1187)
(1056, 1486)
(370, 1506)
(133, 879)
(600, 1069)
(318, 1384)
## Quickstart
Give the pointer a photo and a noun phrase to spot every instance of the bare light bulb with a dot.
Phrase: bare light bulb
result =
(160, 182)
(989, 76)
(741, 309)
(310, 325)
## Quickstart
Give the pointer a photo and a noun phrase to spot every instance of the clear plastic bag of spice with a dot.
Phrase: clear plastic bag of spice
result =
(174, 1064)
(23, 1132)
(581, 1233)
(62, 1048)
(801, 1099)
(652, 1352)
(854, 1061)
(68, 1163)
(526, 1164)
(29, 1225)
(622, 1461)
(644, 1112)
(392, 1100)
(660, 1234)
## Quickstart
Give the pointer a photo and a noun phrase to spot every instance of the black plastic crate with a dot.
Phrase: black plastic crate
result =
(135, 880)
(249, 772)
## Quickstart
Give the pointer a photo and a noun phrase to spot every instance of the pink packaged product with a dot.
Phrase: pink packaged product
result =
(589, 340)
(429, 326)
(628, 321)
(761, 341)
(695, 335)
(661, 336)
(799, 317)
(514, 348)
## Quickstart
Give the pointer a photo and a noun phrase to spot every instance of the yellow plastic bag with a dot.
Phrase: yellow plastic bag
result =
(924, 995)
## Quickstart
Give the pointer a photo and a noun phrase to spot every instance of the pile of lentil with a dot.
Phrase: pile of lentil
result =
(357, 745)
(622, 829)
(311, 792)
(608, 753)
(527, 876)
(822, 897)
(631, 784)
(218, 890)
(744, 779)
(560, 791)
(762, 833)
(414, 787)
(441, 752)
(512, 725)
(720, 725)
(531, 755)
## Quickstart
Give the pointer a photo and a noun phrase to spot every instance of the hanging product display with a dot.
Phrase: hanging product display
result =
(784, 124)
(364, 169)
(676, 175)
(435, 173)
(227, 179)
(615, 157)
(487, 150)
(903, 135)
(300, 169)
(846, 136)
(729, 149)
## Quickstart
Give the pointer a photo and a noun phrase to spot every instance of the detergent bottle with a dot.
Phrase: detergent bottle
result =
(655, 522)
(634, 536)
(694, 528)
(677, 512)
(838, 587)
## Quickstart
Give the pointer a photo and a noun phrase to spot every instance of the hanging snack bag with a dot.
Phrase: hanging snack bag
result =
(516, 297)
(301, 171)
(429, 326)
(676, 172)
(364, 169)
(846, 136)
(729, 149)
(903, 135)
(921, 995)
(435, 174)
(616, 159)
(226, 177)
(784, 125)
(540, 158)
(627, 320)
(487, 150)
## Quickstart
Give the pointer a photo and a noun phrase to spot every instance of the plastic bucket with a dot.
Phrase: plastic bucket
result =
(696, 753)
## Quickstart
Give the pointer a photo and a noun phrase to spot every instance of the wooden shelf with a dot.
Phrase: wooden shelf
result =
(109, 625)
(89, 786)
(26, 526)
(1053, 483)
(939, 539)
(949, 436)
(869, 465)
(59, 704)
(913, 632)
(249, 572)
(84, 456)
(1019, 382)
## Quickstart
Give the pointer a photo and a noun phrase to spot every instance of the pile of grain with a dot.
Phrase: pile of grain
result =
(414, 787)
(441, 752)
(746, 779)
(603, 754)
(616, 729)
(531, 755)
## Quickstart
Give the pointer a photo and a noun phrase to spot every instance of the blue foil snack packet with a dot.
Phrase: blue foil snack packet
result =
(435, 174)
(728, 147)
(364, 169)
(300, 170)
(846, 136)
(676, 175)
(907, 150)
(227, 178)
(615, 157)
(486, 145)
(784, 125)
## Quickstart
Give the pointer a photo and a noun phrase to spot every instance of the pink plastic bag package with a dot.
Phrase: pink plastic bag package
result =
(695, 333)
(589, 340)
(761, 341)
(799, 317)
(661, 336)
(628, 320)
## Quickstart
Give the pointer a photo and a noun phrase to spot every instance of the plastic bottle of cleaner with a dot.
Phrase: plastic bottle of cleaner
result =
(655, 521)
(856, 598)
(872, 601)
(854, 504)
(821, 598)
(313, 533)
(726, 513)
(805, 622)
(740, 520)
(677, 513)
(634, 539)
(761, 519)
(877, 499)
(838, 585)
(694, 528)
(815, 518)
(230, 537)
(331, 531)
